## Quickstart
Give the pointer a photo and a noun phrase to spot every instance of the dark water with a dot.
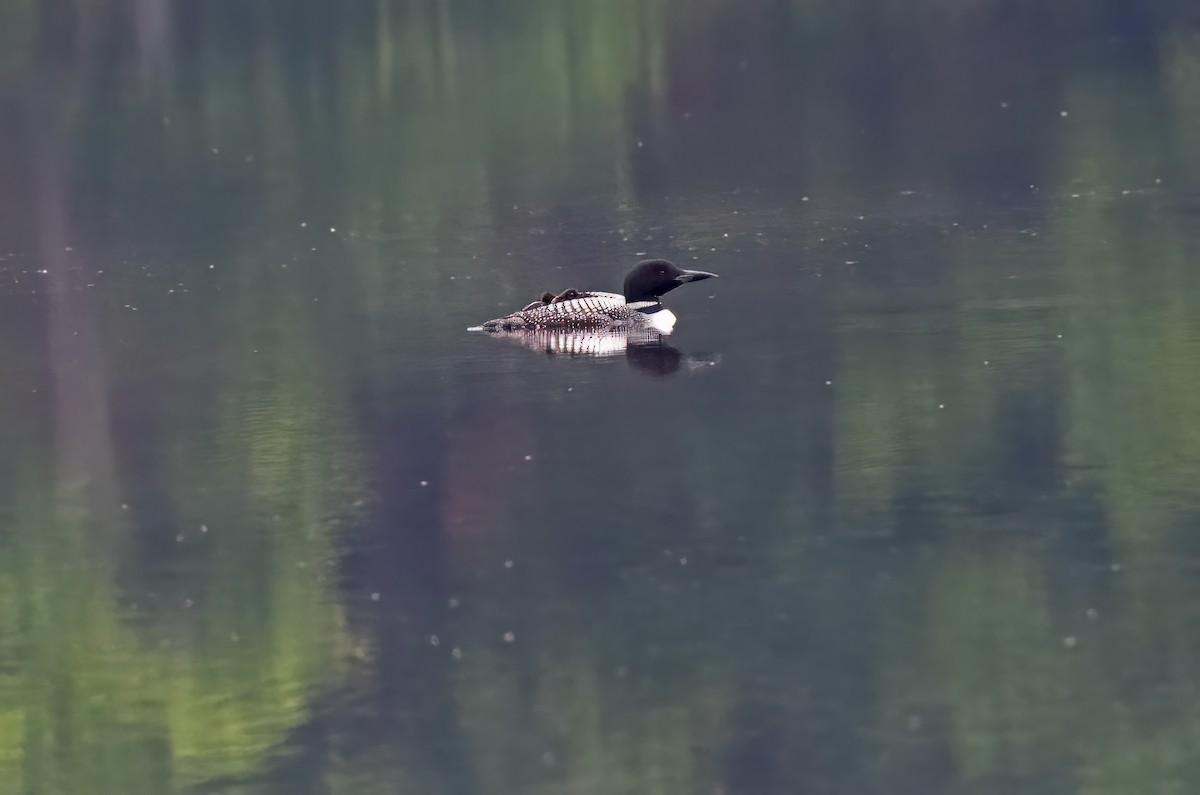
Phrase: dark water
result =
(912, 510)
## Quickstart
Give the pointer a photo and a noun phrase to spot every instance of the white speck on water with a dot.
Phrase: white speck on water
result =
(1092, 613)
(215, 151)
(188, 603)
(203, 528)
(304, 224)
(1062, 113)
(985, 362)
(726, 235)
(375, 596)
(570, 389)
(828, 383)
(434, 640)
(803, 198)
(456, 653)
(124, 506)
(452, 602)
(941, 405)
(683, 561)
(210, 267)
(179, 538)
(1158, 180)
(509, 637)
(424, 482)
(508, 564)
(1060, 336)
(528, 458)
(1125, 192)
(332, 229)
(1074, 195)
(1004, 105)
(1069, 642)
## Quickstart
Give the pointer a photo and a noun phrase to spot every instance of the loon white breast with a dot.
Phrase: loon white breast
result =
(638, 305)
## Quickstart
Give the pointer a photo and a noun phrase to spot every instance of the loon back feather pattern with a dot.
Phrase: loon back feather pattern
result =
(638, 305)
(590, 310)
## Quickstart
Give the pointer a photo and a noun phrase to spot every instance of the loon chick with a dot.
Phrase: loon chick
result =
(550, 298)
(639, 305)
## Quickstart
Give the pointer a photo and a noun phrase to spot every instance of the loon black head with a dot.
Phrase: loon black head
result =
(651, 278)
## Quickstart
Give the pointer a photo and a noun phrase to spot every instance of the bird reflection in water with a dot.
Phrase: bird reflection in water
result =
(645, 350)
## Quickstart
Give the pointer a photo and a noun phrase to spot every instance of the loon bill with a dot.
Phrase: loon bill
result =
(638, 305)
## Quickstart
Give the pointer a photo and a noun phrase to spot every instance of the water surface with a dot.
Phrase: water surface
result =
(910, 511)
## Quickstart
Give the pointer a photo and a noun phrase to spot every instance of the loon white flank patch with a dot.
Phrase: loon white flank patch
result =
(662, 321)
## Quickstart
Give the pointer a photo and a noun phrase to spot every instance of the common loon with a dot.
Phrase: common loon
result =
(577, 309)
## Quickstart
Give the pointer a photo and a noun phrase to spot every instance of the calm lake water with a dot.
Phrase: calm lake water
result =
(909, 505)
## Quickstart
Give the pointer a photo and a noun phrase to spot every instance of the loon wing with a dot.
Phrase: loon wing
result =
(588, 302)
(589, 310)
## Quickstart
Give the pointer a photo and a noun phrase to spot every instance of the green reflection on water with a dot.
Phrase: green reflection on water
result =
(955, 566)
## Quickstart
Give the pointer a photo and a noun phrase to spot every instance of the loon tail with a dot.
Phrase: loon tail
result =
(499, 324)
(513, 322)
